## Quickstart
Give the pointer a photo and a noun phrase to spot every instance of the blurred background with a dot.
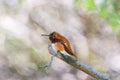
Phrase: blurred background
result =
(92, 27)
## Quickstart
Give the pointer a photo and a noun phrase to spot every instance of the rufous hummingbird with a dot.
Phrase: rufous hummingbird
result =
(60, 43)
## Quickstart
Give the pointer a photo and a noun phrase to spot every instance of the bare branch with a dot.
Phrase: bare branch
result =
(77, 64)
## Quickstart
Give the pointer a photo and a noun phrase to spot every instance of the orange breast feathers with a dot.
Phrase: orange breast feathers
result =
(59, 47)
(63, 48)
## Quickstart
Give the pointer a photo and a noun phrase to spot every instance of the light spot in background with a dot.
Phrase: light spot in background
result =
(30, 4)
(11, 3)
(81, 75)
(11, 24)
(66, 3)
(68, 76)
(98, 2)
(114, 63)
(59, 65)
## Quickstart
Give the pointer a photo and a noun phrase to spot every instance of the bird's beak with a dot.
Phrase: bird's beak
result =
(44, 35)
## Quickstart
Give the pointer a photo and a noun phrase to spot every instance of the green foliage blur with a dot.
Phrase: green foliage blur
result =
(108, 10)
(17, 46)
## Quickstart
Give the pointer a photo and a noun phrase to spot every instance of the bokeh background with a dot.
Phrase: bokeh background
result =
(92, 27)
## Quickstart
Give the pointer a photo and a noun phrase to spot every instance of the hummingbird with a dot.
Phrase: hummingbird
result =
(60, 43)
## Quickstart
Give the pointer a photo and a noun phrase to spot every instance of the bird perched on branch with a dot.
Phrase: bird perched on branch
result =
(60, 43)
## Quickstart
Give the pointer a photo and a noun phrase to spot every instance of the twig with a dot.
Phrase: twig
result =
(48, 65)
(77, 64)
